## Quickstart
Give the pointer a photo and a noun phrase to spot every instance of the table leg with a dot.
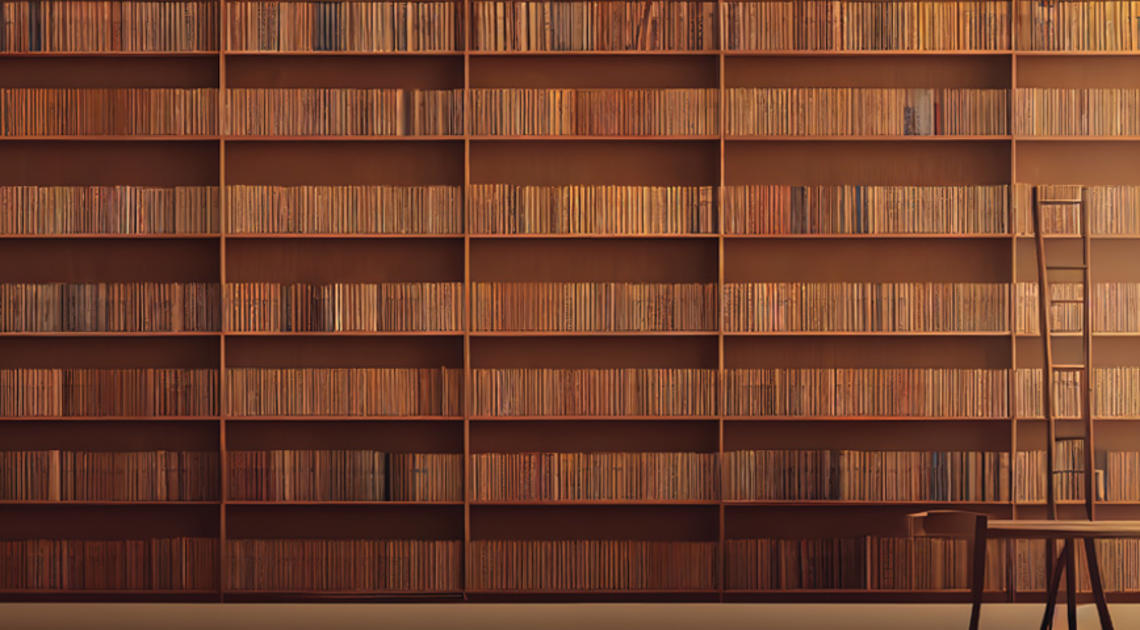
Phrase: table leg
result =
(1051, 594)
(979, 570)
(1097, 585)
(1071, 582)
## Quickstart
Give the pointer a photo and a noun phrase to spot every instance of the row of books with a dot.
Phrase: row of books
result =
(861, 563)
(1096, 25)
(344, 209)
(560, 306)
(594, 112)
(594, 392)
(850, 475)
(57, 475)
(587, 306)
(759, 475)
(344, 391)
(598, 209)
(109, 209)
(865, 111)
(606, 209)
(344, 111)
(108, 392)
(1077, 111)
(397, 306)
(766, 392)
(109, 306)
(108, 111)
(344, 565)
(596, 565)
(108, 25)
(550, 476)
(534, 25)
(866, 25)
(434, 26)
(183, 563)
(343, 475)
(867, 306)
(357, 26)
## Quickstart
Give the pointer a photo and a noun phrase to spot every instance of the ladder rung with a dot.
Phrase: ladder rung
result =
(1068, 439)
(1057, 202)
(1067, 471)
(1067, 268)
(1066, 301)
(1069, 367)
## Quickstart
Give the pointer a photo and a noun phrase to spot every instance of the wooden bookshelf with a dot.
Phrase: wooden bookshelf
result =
(603, 207)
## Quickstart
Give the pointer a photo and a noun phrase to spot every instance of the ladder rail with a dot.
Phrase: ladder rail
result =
(1086, 338)
(1047, 368)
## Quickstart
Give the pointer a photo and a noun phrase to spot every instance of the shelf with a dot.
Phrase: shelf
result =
(867, 53)
(875, 138)
(593, 333)
(592, 236)
(866, 236)
(110, 418)
(334, 418)
(111, 236)
(345, 333)
(79, 503)
(180, 333)
(828, 503)
(729, 418)
(112, 138)
(594, 502)
(344, 53)
(590, 418)
(246, 503)
(291, 235)
(47, 54)
(855, 333)
(606, 138)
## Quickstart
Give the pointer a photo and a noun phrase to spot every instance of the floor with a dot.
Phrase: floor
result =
(537, 616)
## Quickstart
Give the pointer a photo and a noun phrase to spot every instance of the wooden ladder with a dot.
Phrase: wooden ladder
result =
(1066, 560)
(1045, 303)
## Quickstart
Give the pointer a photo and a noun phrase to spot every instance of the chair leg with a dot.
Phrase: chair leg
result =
(977, 584)
(1071, 582)
(1051, 594)
(1097, 585)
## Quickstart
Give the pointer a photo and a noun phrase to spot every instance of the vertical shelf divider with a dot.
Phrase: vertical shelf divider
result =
(223, 217)
(1011, 219)
(465, 20)
(722, 555)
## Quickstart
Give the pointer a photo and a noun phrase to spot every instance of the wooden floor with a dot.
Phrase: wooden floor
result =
(536, 616)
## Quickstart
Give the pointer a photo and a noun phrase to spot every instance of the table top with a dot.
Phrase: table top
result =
(1077, 528)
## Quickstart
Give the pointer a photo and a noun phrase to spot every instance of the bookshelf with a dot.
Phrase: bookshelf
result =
(351, 294)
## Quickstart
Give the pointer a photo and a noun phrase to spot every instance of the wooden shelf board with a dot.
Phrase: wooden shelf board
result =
(249, 503)
(1021, 138)
(710, 236)
(589, 53)
(867, 53)
(342, 138)
(811, 503)
(866, 236)
(730, 418)
(329, 417)
(855, 333)
(32, 54)
(345, 333)
(591, 138)
(292, 235)
(113, 138)
(85, 503)
(341, 594)
(344, 53)
(656, 591)
(595, 502)
(109, 236)
(476, 417)
(96, 333)
(593, 333)
(213, 418)
(872, 138)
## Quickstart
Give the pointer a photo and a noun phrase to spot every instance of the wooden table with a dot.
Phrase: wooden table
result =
(980, 529)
